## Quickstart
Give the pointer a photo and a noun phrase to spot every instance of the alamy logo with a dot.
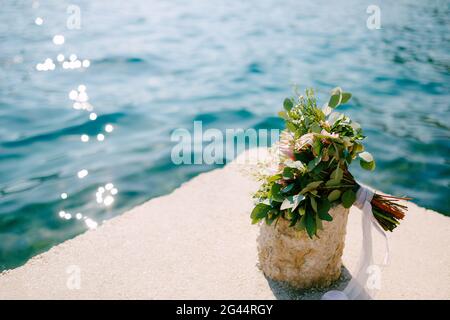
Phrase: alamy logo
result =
(74, 19)
(74, 280)
(374, 278)
(374, 20)
(213, 146)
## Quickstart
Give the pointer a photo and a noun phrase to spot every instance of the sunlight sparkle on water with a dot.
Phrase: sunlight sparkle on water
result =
(91, 223)
(104, 195)
(109, 128)
(108, 200)
(47, 65)
(58, 39)
(82, 173)
(73, 95)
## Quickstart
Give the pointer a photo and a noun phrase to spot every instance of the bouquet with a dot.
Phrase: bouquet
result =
(311, 172)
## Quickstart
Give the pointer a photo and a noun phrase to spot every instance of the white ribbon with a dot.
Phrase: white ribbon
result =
(356, 288)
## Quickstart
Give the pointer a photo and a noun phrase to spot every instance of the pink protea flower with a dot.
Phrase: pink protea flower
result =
(304, 140)
(286, 144)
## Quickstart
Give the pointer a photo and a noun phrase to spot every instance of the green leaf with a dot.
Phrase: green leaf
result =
(287, 104)
(288, 173)
(283, 115)
(334, 100)
(316, 128)
(332, 183)
(287, 188)
(366, 161)
(313, 163)
(317, 147)
(274, 178)
(275, 191)
(346, 96)
(302, 210)
(358, 147)
(323, 207)
(367, 165)
(259, 212)
(310, 224)
(313, 203)
(294, 219)
(290, 126)
(301, 224)
(311, 186)
(292, 202)
(334, 195)
(348, 198)
(337, 174)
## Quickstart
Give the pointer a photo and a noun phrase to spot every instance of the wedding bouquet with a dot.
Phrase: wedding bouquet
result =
(311, 172)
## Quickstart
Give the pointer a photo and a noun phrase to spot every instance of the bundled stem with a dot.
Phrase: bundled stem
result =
(387, 210)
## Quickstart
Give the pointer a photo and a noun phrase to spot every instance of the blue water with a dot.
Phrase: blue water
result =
(159, 65)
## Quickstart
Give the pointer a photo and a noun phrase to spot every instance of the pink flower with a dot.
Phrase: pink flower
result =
(286, 144)
(305, 140)
(328, 134)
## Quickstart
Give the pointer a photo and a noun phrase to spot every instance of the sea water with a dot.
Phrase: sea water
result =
(155, 66)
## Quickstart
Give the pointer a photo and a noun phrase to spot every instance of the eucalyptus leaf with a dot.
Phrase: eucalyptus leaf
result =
(334, 100)
(275, 192)
(283, 115)
(260, 211)
(317, 147)
(323, 207)
(348, 198)
(332, 183)
(310, 224)
(274, 178)
(316, 128)
(287, 188)
(367, 165)
(346, 96)
(311, 186)
(300, 225)
(288, 173)
(366, 161)
(334, 195)
(313, 163)
(292, 202)
(287, 104)
(313, 203)
(337, 174)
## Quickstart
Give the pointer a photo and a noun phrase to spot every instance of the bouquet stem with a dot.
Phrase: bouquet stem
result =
(387, 210)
